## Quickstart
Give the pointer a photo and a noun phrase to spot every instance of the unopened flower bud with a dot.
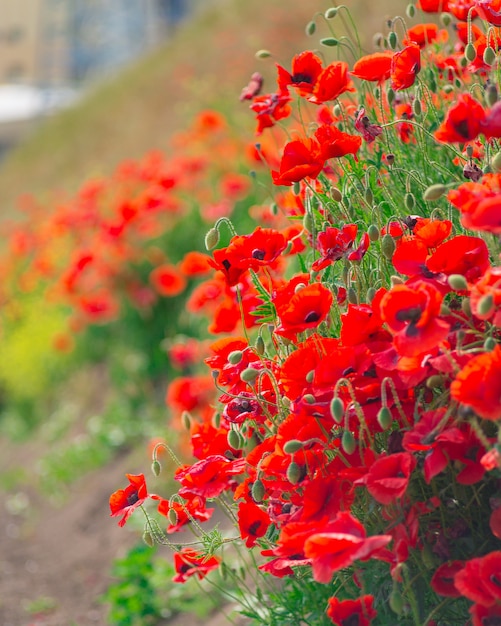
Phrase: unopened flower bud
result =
(390, 158)
(396, 601)
(486, 306)
(409, 201)
(369, 196)
(148, 539)
(308, 222)
(310, 376)
(435, 382)
(489, 55)
(396, 280)
(388, 246)
(410, 10)
(373, 232)
(348, 442)
(352, 296)
(466, 306)
(491, 94)
(293, 446)
(186, 420)
(172, 516)
(457, 282)
(156, 468)
(262, 54)
(331, 13)
(260, 347)
(336, 194)
(212, 239)
(446, 19)
(489, 344)
(309, 398)
(235, 357)
(257, 491)
(393, 40)
(416, 107)
(234, 440)
(310, 29)
(296, 188)
(384, 417)
(337, 409)
(330, 42)
(470, 52)
(390, 95)
(294, 473)
(496, 162)
(249, 375)
(370, 295)
(434, 192)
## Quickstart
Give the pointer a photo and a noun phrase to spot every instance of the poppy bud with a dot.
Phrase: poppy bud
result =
(434, 192)
(390, 158)
(262, 54)
(457, 282)
(446, 19)
(294, 473)
(396, 601)
(388, 246)
(373, 232)
(496, 162)
(148, 539)
(310, 29)
(336, 194)
(257, 491)
(410, 10)
(337, 409)
(416, 107)
(470, 52)
(249, 375)
(310, 376)
(486, 305)
(235, 357)
(489, 344)
(466, 306)
(293, 446)
(369, 196)
(308, 222)
(212, 238)
(348, 442)
(331, 13)
(186, 420)
(489, 56)
(309, 398)
(234, 440)
(329, 41)
(435, 381)
(352, 296)
(390, 95)
(444, 309)
(172, 516)
(396, 280)
(156, 468)
(409, 201)
(491, 94)
(384, 417)
(296, 188)
(274, 208)
(260, 347)
(393, 40)
(369, 296)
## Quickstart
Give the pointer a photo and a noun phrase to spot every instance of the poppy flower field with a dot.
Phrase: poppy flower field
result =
(346, 418)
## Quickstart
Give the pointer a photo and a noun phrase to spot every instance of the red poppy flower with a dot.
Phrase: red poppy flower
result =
(489, 10)
(307, 308)
(270, 108)
(373, 67)
(189, 562)
(463, 121)
(331, 83)
(333, 244)
(411, 314)
(479, 579)
(433, 6)
(253, 522)
(189, 393)
(422, 34)
(306, 68)
(300, 159)
(464, 255)
(479, 203)
(478, 384)
(405, 65)
(389, 476)
(209, 477)
(125, 501)
(194, 508)
(253, 87)
(442, 581)
(167, 280)
(363, 125)
(485, 615)
(334, 143)
(359, 612)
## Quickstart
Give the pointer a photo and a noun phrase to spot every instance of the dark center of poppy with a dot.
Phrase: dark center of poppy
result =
(243, 406)
(132, 498)
(258, 254)
(254, 527)
(462, 129)
(312, 316)
(496, 580)
(353, 620)
(226, 264)
(412, 315)
(301, 78)
(491, 621)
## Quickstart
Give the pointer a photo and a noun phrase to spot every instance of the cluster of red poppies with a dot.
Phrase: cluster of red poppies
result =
(357, 425)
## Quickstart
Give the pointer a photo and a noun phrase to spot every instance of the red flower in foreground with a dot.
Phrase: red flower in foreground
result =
(485, 615)
(189, 562)
(463, 121)
(331, 83)
(306, 68)
(301, 158)
(442, 581)
(489, 10)
(479, 203)
(253, 522)
(480, 580)
(334, 143)
(389, 476)
(125, 501)
(405, 65)
(209, 477)
(478, 384)
(373, 67)
(307, 308)
(359, 612)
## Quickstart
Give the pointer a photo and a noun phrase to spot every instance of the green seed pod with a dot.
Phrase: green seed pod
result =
(309, 398)
(352, 296)
(172, 516)
(368, 195)
(235, 357)
(336, 194)
(388, 246)
(496, 162)
(296, 188)
(337, 409)
(489, 344)
(293, 446)
(410, 10)
(308, 222)
(156, 468)
(211, 239)
(390, 95)
(444, 309)
(294, 473)
(310, 376)
(370, 295)
(233, 439)
(257, 491)
(489, 55)
(393, 40)
(331, 13)
(409, 201)
(435, 382)
(148, 539)
(486, 305)
(396, 601)
(260, 347)
(348, 442)
(384, 417)
(186, 419)
(274, 208)
(434, 192)
(466, 306)
(330, 42)
(491, 94)
(310, 29)
(446, 19)
(249, 375)
(373, 232)
(262, 54)
(470, 52)
(417, 108)
(457, 282)
(396, 280)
